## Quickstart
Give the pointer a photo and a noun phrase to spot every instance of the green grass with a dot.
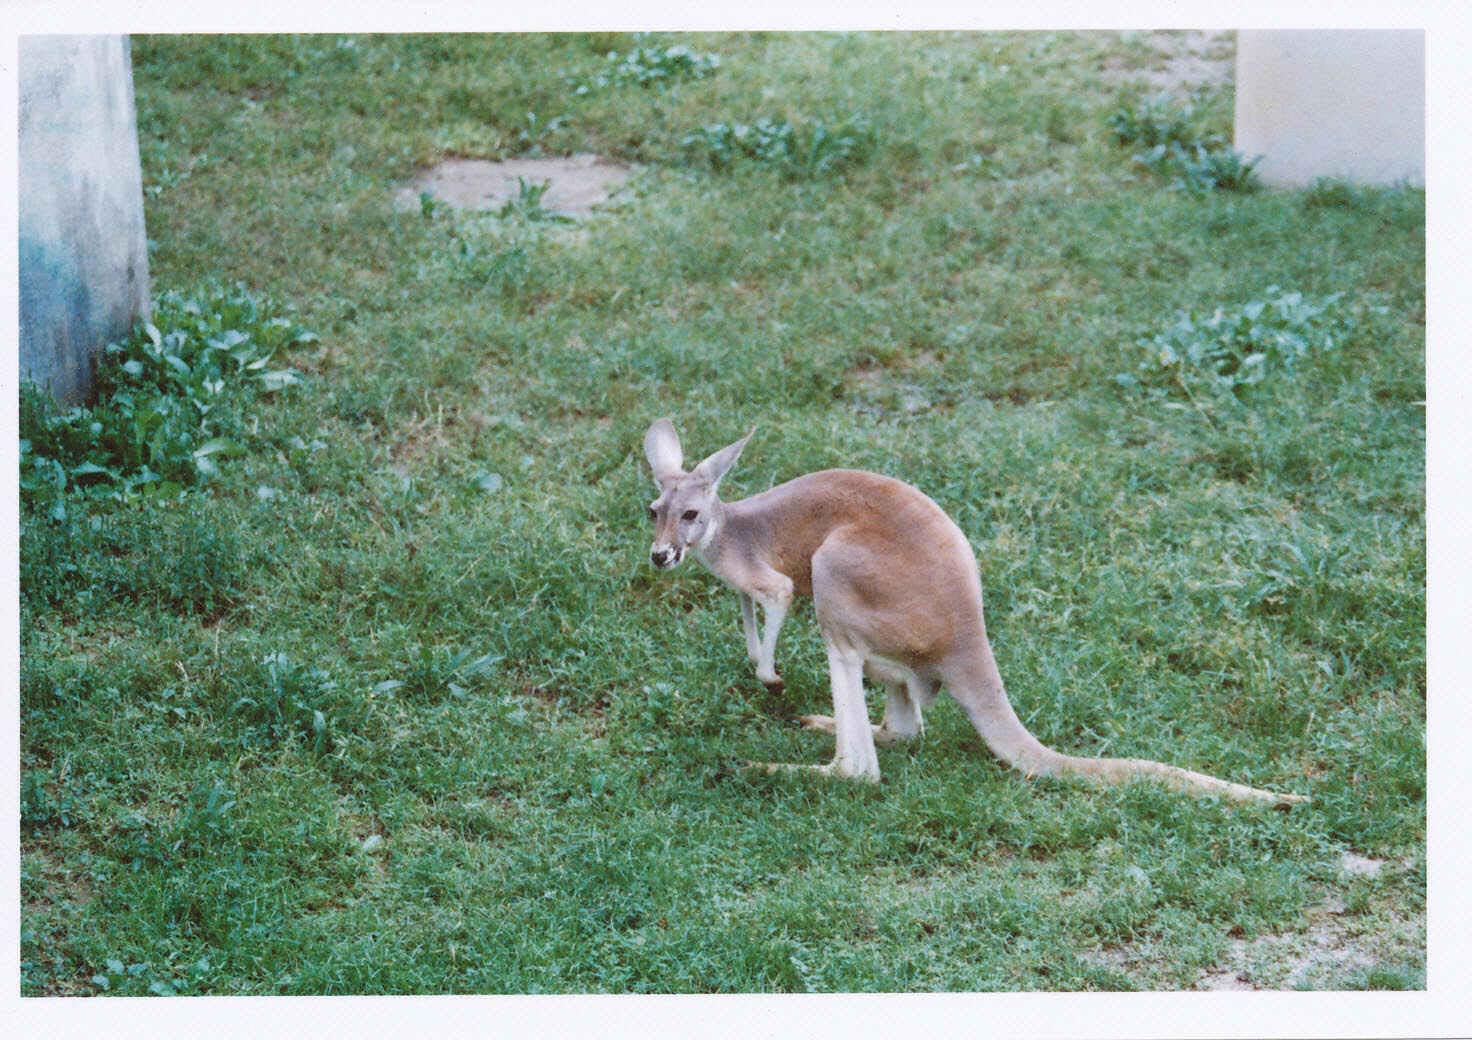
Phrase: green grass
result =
(395, 704)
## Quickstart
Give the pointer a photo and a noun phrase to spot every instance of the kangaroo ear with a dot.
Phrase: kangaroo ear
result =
(662, 449)
(715, 467)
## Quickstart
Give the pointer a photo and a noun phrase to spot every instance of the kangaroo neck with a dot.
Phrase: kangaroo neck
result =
(736, 539)
(708, 550)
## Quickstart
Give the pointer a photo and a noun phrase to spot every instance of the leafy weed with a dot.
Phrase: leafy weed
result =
(170, 404)
(1232, 349)
(802, 151)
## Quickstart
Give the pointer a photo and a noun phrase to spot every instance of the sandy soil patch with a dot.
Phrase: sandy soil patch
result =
(1182, 62)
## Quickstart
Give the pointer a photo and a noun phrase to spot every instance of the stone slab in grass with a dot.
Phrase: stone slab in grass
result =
(577, 183)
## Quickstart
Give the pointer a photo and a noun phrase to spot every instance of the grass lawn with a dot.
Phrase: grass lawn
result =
(391, 701)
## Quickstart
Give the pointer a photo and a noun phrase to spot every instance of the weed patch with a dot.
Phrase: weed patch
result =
(49, 798)
(171, 402)
(802, 151)
(1177, 149)
(282, 700)
(1153, 123)
(650, 65)
(1232, 349)
(432, 673)
(143, 978)
(1202, 168)
(1332, 193)
(526, 204)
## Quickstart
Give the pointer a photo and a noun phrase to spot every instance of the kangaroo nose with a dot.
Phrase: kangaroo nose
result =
(659, 557)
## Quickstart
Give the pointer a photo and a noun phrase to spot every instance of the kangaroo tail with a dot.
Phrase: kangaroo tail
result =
(977, 685)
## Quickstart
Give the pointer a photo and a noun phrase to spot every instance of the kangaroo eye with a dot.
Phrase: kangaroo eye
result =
(690, 514)
(652, 514)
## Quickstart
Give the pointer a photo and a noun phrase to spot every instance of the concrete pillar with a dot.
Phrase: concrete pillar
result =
(83, 252)
(1333, 103)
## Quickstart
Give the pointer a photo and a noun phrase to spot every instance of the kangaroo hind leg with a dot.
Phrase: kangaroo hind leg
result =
(838, 569)
(906, 695)
(853, 756)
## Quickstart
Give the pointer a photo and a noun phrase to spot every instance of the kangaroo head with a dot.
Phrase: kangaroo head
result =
(685, 513)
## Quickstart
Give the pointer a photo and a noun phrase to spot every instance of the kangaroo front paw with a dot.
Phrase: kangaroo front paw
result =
(772, 681)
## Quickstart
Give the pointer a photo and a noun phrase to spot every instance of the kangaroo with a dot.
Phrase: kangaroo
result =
(897, 595)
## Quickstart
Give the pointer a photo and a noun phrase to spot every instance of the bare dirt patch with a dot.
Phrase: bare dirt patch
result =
(423, 437)
(56, 885)
(1331, 953)
(1334, 949)
(576, 183)
(1180, 62)
(53, 897)
(1219, 981)
(880, 388)
(1360, 866)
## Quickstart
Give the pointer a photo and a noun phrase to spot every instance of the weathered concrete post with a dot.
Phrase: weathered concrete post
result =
(1333, 103)
(83, 252)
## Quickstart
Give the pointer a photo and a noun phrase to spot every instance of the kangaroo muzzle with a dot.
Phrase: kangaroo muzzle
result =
(665, 557)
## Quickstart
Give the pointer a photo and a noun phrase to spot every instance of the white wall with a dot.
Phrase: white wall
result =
(1333, 103)
(83, 253)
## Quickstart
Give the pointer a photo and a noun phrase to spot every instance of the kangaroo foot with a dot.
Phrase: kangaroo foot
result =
(821, 723)
(824, 724)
